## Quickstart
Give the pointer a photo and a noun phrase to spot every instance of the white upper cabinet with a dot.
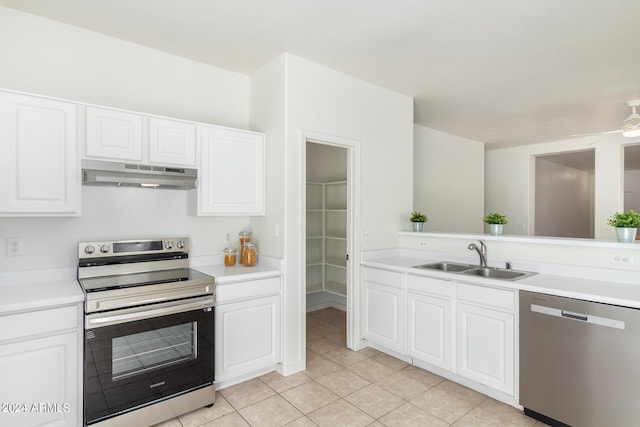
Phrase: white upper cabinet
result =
(124, 135)
(172, 141)
(231, 172)
(39, 167)
(114, 134)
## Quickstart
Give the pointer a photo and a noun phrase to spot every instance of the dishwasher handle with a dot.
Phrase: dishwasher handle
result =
(575, 316)
(590, 319)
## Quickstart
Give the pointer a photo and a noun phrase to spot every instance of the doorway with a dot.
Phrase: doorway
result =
(565, 194)
(632, 178)
(326, 230)
(329, 248)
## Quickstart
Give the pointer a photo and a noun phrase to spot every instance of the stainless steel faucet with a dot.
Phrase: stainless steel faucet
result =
(482, 252)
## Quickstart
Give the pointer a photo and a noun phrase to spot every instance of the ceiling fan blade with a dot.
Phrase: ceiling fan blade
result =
(598, 133)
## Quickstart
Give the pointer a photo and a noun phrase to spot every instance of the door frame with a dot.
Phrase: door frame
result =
(353, 224)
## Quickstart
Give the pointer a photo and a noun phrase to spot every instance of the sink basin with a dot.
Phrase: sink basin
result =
(445, 266)
(474, 270)
(497, 273)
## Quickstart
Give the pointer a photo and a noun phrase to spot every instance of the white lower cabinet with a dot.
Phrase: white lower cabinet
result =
(486, 336)
(248, 333)
(429, 320)
(41, 373)
(429, 329)
(486, 346)
(383, 307)
(468, 329)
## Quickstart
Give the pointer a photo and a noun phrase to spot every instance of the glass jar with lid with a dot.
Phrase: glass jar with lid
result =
(245, 236)
(249, 255)
(230, 255)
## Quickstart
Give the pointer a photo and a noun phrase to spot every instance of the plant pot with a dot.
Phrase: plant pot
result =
(626, 235)
(417, 226)
(496, 229)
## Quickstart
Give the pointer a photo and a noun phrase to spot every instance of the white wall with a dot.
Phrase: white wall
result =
(448, 181)
(50, 58)
(316, 99)
(508, 181)
(322, 100)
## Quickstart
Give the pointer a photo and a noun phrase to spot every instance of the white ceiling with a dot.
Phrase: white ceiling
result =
(504, 72)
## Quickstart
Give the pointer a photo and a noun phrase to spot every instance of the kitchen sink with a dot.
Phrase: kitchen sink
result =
(445, 266)
(497, 273)
(474, 270)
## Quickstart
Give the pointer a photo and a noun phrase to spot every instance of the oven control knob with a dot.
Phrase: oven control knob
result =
(89, 249)
(180, 244)
(104, 249)
(168, 245)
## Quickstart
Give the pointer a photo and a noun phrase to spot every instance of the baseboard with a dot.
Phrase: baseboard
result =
(320, 300)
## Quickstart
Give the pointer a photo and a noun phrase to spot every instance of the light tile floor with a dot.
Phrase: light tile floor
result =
(345, 388)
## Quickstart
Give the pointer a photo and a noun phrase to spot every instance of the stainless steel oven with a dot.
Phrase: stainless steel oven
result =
(149, 332)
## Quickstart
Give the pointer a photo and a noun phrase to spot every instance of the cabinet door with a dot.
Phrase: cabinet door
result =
(485, 346)
(172, 142)
(40, 378)
(39, 167)
(114, 134)
(231, 172)
(247, 337)
(429, 329)
(383, 311)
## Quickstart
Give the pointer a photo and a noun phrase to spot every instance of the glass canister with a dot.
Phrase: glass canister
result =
(245, 236)
(230, 257)
(249, 254)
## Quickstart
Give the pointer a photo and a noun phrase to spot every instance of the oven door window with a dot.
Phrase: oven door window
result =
(147, 351)
(133, 364)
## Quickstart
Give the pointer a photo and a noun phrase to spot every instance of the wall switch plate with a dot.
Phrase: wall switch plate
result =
(14, 246)
(621, 259)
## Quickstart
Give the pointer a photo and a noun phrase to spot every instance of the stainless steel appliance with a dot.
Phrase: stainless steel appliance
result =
(579, 361)
(118, 174)
(149, 332)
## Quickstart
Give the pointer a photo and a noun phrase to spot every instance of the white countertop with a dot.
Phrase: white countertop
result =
(224, 275)
(40, 289)
(598, 290)
(39, 295)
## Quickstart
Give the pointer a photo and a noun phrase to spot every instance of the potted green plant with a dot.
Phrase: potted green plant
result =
(626, 225)
(496, 222)
(418, 219)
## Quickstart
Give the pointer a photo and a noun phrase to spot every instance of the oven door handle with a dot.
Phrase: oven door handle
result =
(97, 320)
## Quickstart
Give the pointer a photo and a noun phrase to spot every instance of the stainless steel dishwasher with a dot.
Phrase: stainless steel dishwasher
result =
(579, 362)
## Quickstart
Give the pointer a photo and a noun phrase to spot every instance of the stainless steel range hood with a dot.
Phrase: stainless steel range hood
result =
(96, 172)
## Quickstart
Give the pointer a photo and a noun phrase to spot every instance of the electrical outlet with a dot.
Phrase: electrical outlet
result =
(364, 236)
(422, 243)
(228, 237)
(14, 246)
(621, 259)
